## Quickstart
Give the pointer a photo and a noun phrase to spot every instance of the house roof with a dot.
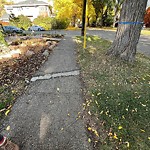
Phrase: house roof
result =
(29, 3)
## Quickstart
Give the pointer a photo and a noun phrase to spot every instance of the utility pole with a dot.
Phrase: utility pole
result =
(83, 17)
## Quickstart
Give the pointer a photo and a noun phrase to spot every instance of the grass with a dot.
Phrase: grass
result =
(145, 31)
(119, 93)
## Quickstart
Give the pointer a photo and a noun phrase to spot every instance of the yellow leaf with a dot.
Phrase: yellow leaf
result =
(7, 112)
(148, 138)
(128, 144)
(142, 130)
(89, 113)
(98, 93)
(115, 136)
(89, 140)
(110, 134)
(8, 128)
(123, 117)
(96, 133)
(89, 128)
(96, 102)
(120, 127)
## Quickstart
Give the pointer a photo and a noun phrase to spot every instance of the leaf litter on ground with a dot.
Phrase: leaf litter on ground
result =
(17, 69)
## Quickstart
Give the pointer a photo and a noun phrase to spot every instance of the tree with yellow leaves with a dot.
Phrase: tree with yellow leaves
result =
(70, 9)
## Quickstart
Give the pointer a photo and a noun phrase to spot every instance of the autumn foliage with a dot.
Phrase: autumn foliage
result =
(147, 18)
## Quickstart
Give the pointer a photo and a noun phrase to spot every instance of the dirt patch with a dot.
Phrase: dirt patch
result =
(17, 65)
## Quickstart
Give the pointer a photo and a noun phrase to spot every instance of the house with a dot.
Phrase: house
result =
(4, 19)
(30, 8)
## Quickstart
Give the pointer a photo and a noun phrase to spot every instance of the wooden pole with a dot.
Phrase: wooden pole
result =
(83, 17)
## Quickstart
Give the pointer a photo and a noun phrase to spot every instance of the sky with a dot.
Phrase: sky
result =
(16, 1)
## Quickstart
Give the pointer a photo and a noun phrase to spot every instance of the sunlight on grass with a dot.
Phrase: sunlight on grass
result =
(120, 94)
(145, 32)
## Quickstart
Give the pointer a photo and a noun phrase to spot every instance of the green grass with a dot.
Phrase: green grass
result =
(145, 31)
(120, 94)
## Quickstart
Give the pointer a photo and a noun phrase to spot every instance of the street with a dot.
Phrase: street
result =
(143, 45)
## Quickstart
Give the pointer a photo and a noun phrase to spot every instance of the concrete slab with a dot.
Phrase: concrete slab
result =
(63, 58)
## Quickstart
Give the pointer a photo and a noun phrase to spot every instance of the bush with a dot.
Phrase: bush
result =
(60, 23)
(21, 21)
(108, 21)
(2, 40)
(44, 22)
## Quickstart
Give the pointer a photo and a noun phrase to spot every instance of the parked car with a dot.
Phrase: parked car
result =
(80, 25)
(12, 29)
(36, 28)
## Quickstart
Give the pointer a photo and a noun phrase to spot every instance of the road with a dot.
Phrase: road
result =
(143, 45)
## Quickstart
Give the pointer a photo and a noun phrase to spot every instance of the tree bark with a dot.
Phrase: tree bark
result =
(115, 18)
(128, 32)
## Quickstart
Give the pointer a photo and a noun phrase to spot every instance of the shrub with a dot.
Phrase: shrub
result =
(60, 23)
(44, 22)
(108, 21)
(2, 40)
(21, 21)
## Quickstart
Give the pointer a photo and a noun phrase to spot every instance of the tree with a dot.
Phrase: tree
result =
(128, 32)
(2, 3)
(21, 21)
(91, 16)
(44, 22)
(103, 10)
(117, 7)
(70, 9)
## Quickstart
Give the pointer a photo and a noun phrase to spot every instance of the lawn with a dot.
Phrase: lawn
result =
(145, 32)
(119, 96)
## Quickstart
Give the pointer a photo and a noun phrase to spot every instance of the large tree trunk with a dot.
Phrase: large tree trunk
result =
(128, 32)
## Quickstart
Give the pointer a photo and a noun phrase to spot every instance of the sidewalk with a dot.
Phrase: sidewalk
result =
(45, 117)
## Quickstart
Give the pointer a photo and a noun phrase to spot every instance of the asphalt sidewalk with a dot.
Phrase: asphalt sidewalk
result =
(46, 116)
